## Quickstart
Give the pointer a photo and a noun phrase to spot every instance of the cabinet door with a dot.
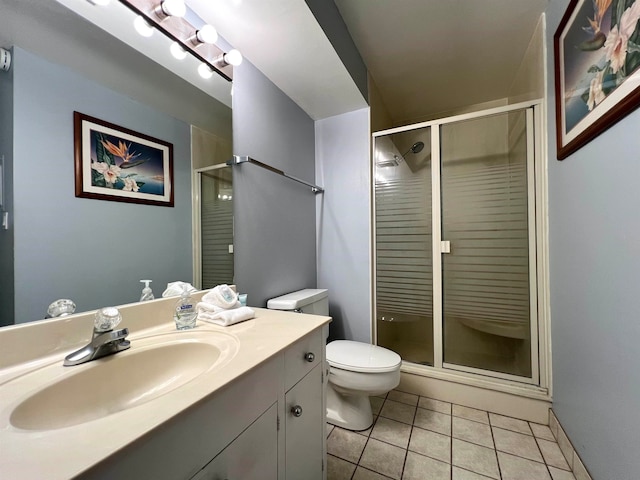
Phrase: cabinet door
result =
(251, 456)
(304, 428)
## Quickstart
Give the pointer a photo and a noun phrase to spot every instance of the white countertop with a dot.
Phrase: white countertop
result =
(63, 453)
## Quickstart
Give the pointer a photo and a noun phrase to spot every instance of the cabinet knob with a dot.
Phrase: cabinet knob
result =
(296, 411)
(309, 357)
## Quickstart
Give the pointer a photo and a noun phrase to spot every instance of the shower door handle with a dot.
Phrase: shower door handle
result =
(445, 246)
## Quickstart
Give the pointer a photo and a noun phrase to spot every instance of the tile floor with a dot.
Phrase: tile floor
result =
(418, 438)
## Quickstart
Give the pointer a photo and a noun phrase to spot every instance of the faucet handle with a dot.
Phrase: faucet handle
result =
(107, 318)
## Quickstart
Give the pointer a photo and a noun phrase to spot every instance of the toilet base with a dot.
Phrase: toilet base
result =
(351, 412)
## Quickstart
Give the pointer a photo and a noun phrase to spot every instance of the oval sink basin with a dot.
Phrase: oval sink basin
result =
(152, 367)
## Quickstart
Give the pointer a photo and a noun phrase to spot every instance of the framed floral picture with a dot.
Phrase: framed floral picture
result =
(597, 69)
(118, 164)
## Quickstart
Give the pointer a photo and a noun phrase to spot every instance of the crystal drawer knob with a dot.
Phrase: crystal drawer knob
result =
(309, 357)
(296, 411)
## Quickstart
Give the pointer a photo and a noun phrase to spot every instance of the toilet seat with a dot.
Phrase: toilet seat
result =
(361, 357)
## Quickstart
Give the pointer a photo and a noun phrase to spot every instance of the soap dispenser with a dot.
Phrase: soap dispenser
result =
(185, 313)
(147, 293)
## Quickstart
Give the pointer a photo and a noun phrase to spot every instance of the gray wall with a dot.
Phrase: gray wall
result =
(343, 213)
(92, 251)
(595, 273)
(6, 236)
(274, 217)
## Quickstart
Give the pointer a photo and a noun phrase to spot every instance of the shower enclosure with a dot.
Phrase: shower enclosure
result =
(455, 243)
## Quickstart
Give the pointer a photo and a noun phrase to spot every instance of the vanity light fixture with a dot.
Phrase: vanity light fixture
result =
(205, 71)
(171, 8)
(177, 51)
(193, 36)
(142, 26)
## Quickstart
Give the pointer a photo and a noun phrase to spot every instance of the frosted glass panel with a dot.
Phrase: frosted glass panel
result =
(216, 206)
(404, 296)
(486, 311)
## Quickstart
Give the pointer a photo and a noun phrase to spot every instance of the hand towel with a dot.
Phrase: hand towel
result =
(224, 317)
(221, 296)
(175, 289)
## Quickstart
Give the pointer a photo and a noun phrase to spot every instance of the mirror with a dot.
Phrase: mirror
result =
(91, 251)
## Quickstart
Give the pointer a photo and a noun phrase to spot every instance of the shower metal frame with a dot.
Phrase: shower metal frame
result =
(538, 386)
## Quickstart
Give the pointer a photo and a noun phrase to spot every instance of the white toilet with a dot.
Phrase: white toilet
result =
(357, 370)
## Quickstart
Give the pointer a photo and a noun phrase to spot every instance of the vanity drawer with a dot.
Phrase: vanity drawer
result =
(302, 357)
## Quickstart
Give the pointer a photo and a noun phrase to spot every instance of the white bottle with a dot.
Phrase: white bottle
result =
(147, 293)
(185, 314)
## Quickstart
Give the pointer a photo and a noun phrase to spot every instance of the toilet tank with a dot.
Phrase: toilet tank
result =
(310, 300)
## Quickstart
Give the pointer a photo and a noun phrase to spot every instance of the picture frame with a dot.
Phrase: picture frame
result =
(118, 164)
(597, 69)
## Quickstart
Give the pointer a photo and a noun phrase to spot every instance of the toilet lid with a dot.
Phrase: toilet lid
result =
(361, 357)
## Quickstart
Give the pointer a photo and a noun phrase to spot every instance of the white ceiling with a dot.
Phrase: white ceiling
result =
(425, 56)
(430, 56)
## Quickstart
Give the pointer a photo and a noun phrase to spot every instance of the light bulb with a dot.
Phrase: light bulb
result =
(205, 71)
(142, 27)
(177, 51)
(174, 8)
(207, 34)
(233, 57)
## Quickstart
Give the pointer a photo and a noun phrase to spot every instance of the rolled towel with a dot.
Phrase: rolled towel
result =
(221, 296)
(226, 317)
(175, 289)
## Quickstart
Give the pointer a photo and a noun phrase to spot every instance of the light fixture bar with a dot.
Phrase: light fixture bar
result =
(181, 31)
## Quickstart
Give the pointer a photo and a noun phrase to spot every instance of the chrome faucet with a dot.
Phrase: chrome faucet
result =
(105, 340)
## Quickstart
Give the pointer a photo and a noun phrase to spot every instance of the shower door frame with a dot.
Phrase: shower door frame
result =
(539, 382)
(196, 209)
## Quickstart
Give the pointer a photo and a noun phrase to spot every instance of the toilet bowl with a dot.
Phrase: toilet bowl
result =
(357, 370)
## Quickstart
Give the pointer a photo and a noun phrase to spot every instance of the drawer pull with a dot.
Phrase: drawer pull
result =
(296, 411)
(309, 357)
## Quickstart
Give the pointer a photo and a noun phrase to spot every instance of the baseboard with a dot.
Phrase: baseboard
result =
(503, 403)
(570, 454)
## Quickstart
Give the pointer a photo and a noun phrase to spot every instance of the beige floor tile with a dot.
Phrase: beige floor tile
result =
(475, 458)
(328, 429)
(542, 431)
(552, 454)
(398, 411)
(403, 397)
(517, 468)
(435, 405)
(383, 458)
(471, 431)
(431, 444)
(461, 474)
(509, 423)
(390, 431)
(345, 444)
(558, 474)
(470, 414)
(434, 421)
(367, 432)
(419, 467)
(516, 444)
(364, 474)
(376, 404)
(338, 469)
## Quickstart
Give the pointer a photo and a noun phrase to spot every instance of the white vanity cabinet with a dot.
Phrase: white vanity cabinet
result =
(268, 424)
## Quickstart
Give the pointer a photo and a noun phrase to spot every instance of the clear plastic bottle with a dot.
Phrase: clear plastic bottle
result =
(147, 293)
(185, 314)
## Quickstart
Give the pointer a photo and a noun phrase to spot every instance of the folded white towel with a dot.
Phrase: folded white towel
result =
(206, 307)
(224, 317)
(221, 296)
(176, 288)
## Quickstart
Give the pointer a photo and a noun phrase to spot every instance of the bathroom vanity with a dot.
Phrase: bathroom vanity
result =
(239, 402)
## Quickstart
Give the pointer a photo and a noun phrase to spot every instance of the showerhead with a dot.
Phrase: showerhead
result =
(416, 147)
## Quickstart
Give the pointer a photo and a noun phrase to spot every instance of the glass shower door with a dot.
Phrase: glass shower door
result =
(486, 287)
(404, 267)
